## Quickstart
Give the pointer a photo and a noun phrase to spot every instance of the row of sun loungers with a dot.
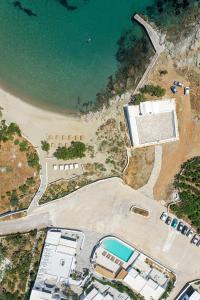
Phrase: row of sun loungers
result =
(65, 167)
(112, 258)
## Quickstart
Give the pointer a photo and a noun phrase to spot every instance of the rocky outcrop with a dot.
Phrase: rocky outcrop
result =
(186, 52)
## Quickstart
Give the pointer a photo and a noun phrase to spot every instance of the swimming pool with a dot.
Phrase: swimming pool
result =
(118, 249)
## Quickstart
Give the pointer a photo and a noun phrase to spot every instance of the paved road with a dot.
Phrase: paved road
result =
(30, 222)
(104, 207)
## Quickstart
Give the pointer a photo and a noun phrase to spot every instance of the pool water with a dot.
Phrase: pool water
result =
(118, 249)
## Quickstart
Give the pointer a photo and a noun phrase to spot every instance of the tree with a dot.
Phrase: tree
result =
(33, 160)
(153, 90)
(45, 146)
(7, 132)
(23, 146)
(76, 150)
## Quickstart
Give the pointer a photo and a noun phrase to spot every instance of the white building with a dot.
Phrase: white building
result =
(95, 294)
(189, 293)
(152, 122)
(56, 265)
(146, 287)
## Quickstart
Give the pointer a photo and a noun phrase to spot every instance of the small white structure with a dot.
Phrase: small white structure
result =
(55, 167)
(76, 166)
(71, 166)
(61, 167)
(66, 167)
(152, 122)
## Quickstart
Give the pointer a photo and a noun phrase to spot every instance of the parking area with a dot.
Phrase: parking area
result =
(182, 227)
(104, 207)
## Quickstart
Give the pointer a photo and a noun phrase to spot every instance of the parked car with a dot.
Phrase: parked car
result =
(184, 230)
(178, 83)
(174, 223)
(195, 239)
(164, 216)
(198, 244)
(173, 89)
(186, 90)
(190, 233)
(180, 226)
(168, 221)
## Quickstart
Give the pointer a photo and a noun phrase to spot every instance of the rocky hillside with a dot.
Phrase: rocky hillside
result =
(187, 51)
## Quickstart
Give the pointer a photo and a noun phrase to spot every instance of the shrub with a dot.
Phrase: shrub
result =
(45, 146)
(14, 200)
(23, 146)
(153, 90)
(139, 98)
(7, 132)
(163, 72)
(33, 160)
(76, 150)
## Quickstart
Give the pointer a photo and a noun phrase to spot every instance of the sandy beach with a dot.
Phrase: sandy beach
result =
(38, 124)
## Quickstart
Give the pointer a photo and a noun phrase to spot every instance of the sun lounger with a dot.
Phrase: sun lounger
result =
(71, 166)
(66, 167)
(55, 167)
(61, 167)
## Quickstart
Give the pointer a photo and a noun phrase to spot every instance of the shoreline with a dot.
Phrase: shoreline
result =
(38, 124)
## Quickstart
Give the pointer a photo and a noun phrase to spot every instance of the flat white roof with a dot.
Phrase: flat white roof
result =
(107, 263)
(157, 276)
(195, 296)
(142, 266)
(96, 295)
(152, 294)
(66, 250)
(53, 237)
(136, 283)
(68, 242)
(148, 288)
(56, 263)
(38, 295)
(152, 122)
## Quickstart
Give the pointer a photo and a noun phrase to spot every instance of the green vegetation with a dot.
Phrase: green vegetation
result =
(121, 288)
(45, 146)
(33, 160)
(17, 248)
(153, 90)
(14, 199)
(7, 132)
(63, 188)
(23, 146)
(168, 290)
(139, 98)
(187, 181)
(76, 150)
(163, 72)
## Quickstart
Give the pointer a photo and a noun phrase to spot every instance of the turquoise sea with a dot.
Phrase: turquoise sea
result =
(62, 55)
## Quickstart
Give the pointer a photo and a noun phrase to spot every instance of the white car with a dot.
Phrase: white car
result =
(164, 216)
(195, 239)
(178, 83)
(186, 90)
(190, 233)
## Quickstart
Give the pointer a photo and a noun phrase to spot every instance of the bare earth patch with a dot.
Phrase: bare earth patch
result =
(174, 154)
(14, 172)
(140, 167)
